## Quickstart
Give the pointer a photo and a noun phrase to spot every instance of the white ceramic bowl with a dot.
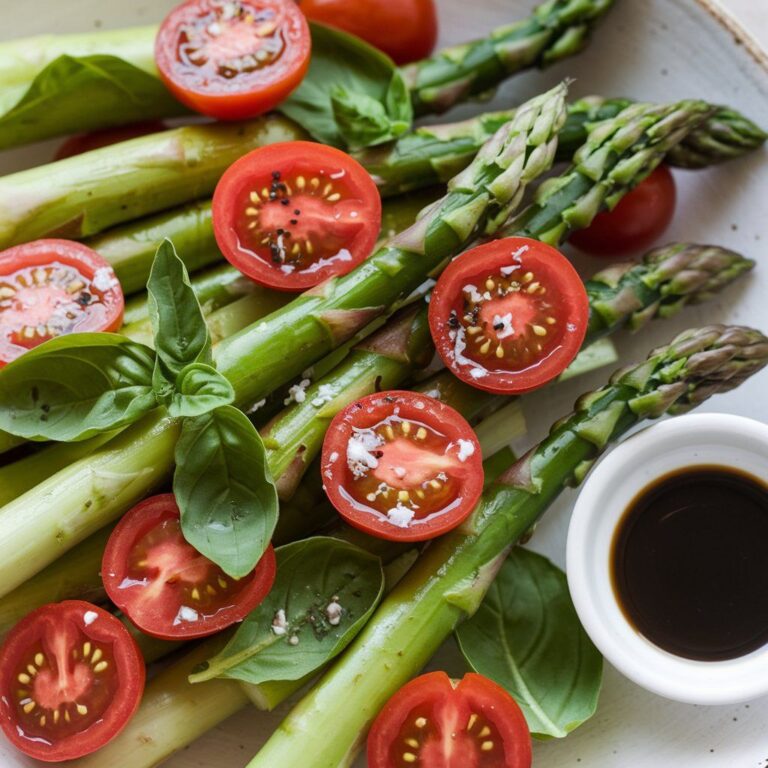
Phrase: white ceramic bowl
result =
(705, 439)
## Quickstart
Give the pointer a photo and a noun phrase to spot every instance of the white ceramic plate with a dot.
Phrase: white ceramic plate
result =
(647, 49)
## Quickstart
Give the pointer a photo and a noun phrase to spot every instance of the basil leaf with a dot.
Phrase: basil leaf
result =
(181, 334)
(76, 386)
(527, 637)
(324, 593)
(199, 390)
(224, 490)
(353, 96)
(75, 94)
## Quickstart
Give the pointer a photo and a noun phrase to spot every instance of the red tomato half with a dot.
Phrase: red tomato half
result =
(71, 677)
(435, 722)
(236, 59)
(404, 29)
(509, 316)
(640, 218)
(402, 466)
(50, 288)
(165, 586)
(289, 216)
(86, 142)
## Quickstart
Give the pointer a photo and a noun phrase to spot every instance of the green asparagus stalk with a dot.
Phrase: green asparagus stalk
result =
(84, 195)
(555, 30)
(326, 728)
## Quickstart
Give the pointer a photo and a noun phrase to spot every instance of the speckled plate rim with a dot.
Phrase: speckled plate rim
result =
(740, 34)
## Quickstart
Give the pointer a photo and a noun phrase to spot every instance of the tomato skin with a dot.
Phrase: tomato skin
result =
(87, 142)
(69, 619)
(248, 93)
(406, 30)
(154, 616)
(95, 309)
(438, 703)
(442, 484)
(636, 223)
(255, 173)
(558, 308)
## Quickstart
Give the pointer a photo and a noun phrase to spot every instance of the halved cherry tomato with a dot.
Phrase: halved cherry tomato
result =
(402, 466)
(404, 29)
(52, 287)
(86, 142)
(71, 677)
(289, 216)
(165, 586)
(640, 218)
(232, 59)
(436, 722)
(509, 316)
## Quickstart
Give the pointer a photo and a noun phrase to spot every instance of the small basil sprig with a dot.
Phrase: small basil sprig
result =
(79, 385)
(353, 96)
(324, 593)
(98, 91)
(527, 637)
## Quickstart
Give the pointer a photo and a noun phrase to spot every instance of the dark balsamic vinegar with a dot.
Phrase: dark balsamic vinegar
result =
(689, 563)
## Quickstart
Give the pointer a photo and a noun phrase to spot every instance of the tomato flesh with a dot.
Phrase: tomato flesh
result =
(509, 316)
(404, 29)
(291, 215)
(54, 287)
(72, 676)
(233, 59)
(402, 466)
(636, 223)
(165, 586)
(435, 722)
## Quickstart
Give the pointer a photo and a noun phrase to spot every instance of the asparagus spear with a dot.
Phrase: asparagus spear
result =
(83, 195)
(555, 30)
(449, 581)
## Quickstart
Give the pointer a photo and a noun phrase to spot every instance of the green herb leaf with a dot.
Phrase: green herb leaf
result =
(200, 389)
(181, 334)
(353, 95)
(224, 490)
(527, 637)
(76, 386)
(98, 91)
(324, 593)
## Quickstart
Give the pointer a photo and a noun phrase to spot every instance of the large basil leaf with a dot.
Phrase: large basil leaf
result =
(76, 386)
(224, 490)
(199, 390)
(324, 593)
(181, 333)
(527, 637)
(75, 94)
(353, 95)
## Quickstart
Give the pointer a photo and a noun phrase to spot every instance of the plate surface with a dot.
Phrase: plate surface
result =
(648, 49)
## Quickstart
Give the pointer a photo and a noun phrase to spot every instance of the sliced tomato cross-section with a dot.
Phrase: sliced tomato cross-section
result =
(233, 59)
(291, 215)
(509, 316)
(71, 677)
(50, 288)
(165, 586)
(435, 722)
(402, 466)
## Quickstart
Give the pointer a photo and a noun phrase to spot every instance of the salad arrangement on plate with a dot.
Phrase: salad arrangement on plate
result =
(260, 373)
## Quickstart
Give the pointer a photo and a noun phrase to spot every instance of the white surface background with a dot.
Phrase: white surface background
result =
(658, 49)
